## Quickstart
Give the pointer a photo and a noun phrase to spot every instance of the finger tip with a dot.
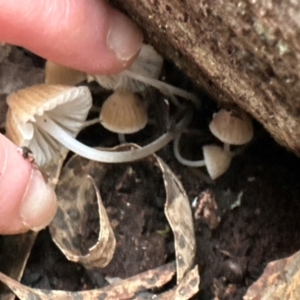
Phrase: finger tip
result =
(39, 203)
(86, 35)
(26, 201)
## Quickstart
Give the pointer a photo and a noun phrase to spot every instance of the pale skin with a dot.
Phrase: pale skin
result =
(86, 35)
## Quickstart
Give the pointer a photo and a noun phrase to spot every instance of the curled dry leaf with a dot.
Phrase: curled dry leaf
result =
(68, 226)
(76, 193)
(280, 280)
(186, 289)
(126, 289)
(179, 215)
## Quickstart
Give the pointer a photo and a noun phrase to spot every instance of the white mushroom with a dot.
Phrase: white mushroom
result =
(148, 63)
(215, 159)
(231, 128)
(123, 112)
(45, 117)
(143, 72)
(67, 107)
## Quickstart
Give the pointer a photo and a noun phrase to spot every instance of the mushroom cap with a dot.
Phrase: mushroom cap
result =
(148, 63)
(123, 112)
(217, 160)
(58, 74)
(231, 128)
(66, 106)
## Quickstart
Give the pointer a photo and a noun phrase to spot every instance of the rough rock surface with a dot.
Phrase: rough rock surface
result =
(242, 52)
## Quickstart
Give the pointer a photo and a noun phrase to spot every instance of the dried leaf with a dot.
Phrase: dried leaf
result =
(179, 215)
(126, 289)
(74, 201)
(187, 288)
(76, 193)
(280, 280)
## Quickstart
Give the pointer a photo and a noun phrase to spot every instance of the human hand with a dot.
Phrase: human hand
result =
(85, 35)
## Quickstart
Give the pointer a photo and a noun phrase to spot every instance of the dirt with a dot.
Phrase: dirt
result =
(256, 208)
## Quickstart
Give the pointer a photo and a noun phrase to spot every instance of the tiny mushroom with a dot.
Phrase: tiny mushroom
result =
(148, 63)
(46, 118)
(231, 128)
(143, 72)
(215, 159)
(123, 112)
(58, 74)
(66, 107)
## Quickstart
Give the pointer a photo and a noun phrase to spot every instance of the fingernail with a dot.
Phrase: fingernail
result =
(124, 37)
(39, 203)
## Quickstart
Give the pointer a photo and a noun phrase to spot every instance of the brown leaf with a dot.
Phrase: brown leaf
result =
(280, 280)
(179, 215)
(76, 193)
(187, 288)
(126, 289)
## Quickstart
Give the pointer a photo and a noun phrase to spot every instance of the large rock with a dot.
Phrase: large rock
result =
(244, 52)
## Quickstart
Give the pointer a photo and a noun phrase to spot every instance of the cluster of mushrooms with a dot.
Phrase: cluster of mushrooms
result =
(47, 117)
(231, 128)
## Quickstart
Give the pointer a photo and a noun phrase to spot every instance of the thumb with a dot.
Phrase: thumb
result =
(86, 35)
(26, 201)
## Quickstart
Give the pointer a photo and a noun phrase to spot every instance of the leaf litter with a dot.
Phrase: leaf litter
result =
(78, 192)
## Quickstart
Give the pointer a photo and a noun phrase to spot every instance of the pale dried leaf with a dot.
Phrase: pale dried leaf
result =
(280, 280)
(126, 289)
(76, 193)
(179, 215)
(187, 288)
(177, 209)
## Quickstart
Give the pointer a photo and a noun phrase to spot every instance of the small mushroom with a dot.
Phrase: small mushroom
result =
(58, 74)
(148, 63)
(143, 72)
(66, 107)
(231, 128)
(46, 118)
(215, 159)
(123, 112)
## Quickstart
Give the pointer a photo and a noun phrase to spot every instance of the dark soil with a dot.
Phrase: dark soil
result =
(262, 228)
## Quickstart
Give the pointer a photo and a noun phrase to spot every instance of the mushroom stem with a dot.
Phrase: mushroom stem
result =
(49, 126)
(165, 88)
(121, 138)
(226, 148)
(186, 162)
(90, 123)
